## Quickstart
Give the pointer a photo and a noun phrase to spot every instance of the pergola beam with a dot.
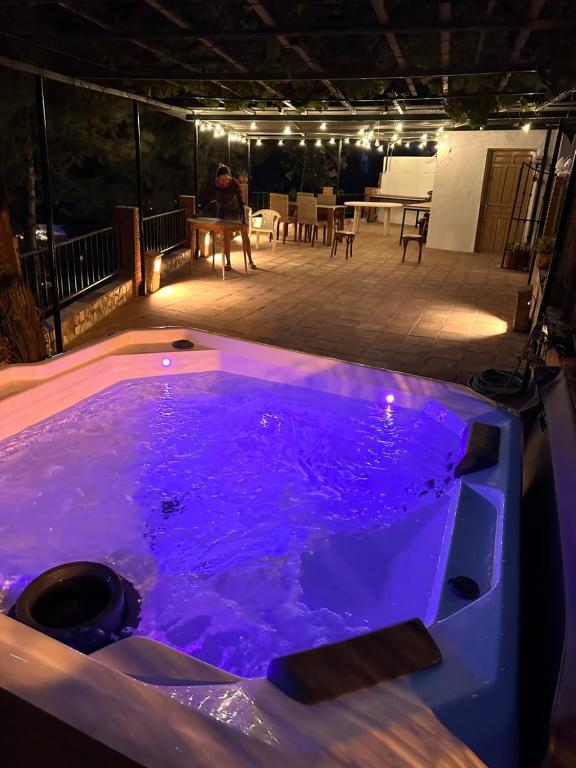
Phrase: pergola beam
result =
(524, 28)
(279, 77)
(522, 38)
(482, 39)
(182, 24)
(444, 12)
(384, 19)
(268, 20)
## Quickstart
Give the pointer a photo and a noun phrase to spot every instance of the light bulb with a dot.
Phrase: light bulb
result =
(318, 143)
(203, 127)
(253, 125)
(322, 126)
(287, 129)
(346, 140)
(424, 137)
(399, 127)
(302, 142)
(332, 140)
(394, 136)
(380, 148)
(526, 127)
(258, 142)
(280, 142)
(407, 144)
(376, 143)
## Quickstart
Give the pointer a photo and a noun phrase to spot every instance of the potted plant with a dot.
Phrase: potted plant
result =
(561, 346)
(544, 248)
(514, 256)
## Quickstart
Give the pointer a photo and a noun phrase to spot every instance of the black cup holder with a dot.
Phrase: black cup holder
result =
(81, 604)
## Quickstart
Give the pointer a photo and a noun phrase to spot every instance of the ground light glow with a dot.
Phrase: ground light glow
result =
(166, 362)
(390, 398)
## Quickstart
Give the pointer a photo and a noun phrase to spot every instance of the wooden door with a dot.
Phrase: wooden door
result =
(504, 169)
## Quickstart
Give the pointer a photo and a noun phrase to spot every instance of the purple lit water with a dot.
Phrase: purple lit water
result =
(255, 519)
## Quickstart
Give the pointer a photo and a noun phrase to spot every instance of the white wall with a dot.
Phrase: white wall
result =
(461, 163)
(408, 176)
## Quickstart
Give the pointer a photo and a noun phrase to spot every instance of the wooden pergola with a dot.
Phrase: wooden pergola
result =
(352, 63)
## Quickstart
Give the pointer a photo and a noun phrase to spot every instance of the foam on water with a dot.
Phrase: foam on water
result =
(255, 519)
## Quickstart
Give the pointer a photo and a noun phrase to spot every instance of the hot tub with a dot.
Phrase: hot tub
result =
(262, 503)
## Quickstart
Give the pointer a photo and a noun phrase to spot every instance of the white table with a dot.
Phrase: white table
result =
(359, 204)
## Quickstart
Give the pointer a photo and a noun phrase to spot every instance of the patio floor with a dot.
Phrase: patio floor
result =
(446, 318)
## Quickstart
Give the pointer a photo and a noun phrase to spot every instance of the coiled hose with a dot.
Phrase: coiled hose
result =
(494, 382)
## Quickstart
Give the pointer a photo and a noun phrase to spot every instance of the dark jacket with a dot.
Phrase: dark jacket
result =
(229, 200)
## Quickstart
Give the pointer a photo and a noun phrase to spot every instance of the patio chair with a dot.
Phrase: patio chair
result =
(308, 218)
(419, 239)
(280, 203)
(264, 222)
(304, 194)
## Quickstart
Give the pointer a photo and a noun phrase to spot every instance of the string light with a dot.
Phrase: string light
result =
(424, 137)
(380, 148)
(421, 145)
(526, 127)
(253, 126)
(322, 126)
(358, 142)
(281, 142)
(203, 127)
(407, 144)
(394, 136)
(302, 142)
(360, 131)
(318, 143)
(332, 140)
(258, 142)
(346, 140)
(287, 129)
(399, 127)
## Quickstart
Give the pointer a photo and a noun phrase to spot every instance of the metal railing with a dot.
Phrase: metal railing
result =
(164, 232)
(84, 263)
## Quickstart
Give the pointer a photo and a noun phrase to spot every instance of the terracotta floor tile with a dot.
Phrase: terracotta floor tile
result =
(374, 309)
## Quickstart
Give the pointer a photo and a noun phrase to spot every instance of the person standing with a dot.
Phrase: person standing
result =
(226, 192)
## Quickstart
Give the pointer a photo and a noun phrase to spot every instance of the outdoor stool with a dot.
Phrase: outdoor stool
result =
(339, 236)
(416, 239)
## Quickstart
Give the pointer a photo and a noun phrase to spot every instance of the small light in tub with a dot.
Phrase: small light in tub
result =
(166, 362)
(390, 398)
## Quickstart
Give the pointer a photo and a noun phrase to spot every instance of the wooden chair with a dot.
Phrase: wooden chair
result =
(279, 203)
(420, 238)
(346, 236)
(304, 194)
(308, 218)
(265, 222)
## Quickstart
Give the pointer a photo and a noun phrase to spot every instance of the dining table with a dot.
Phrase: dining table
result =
(358, 205)
(330, 213)
(225, 228)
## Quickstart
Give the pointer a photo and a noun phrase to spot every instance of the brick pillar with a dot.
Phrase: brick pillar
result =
(188, 203)
(126, 225)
